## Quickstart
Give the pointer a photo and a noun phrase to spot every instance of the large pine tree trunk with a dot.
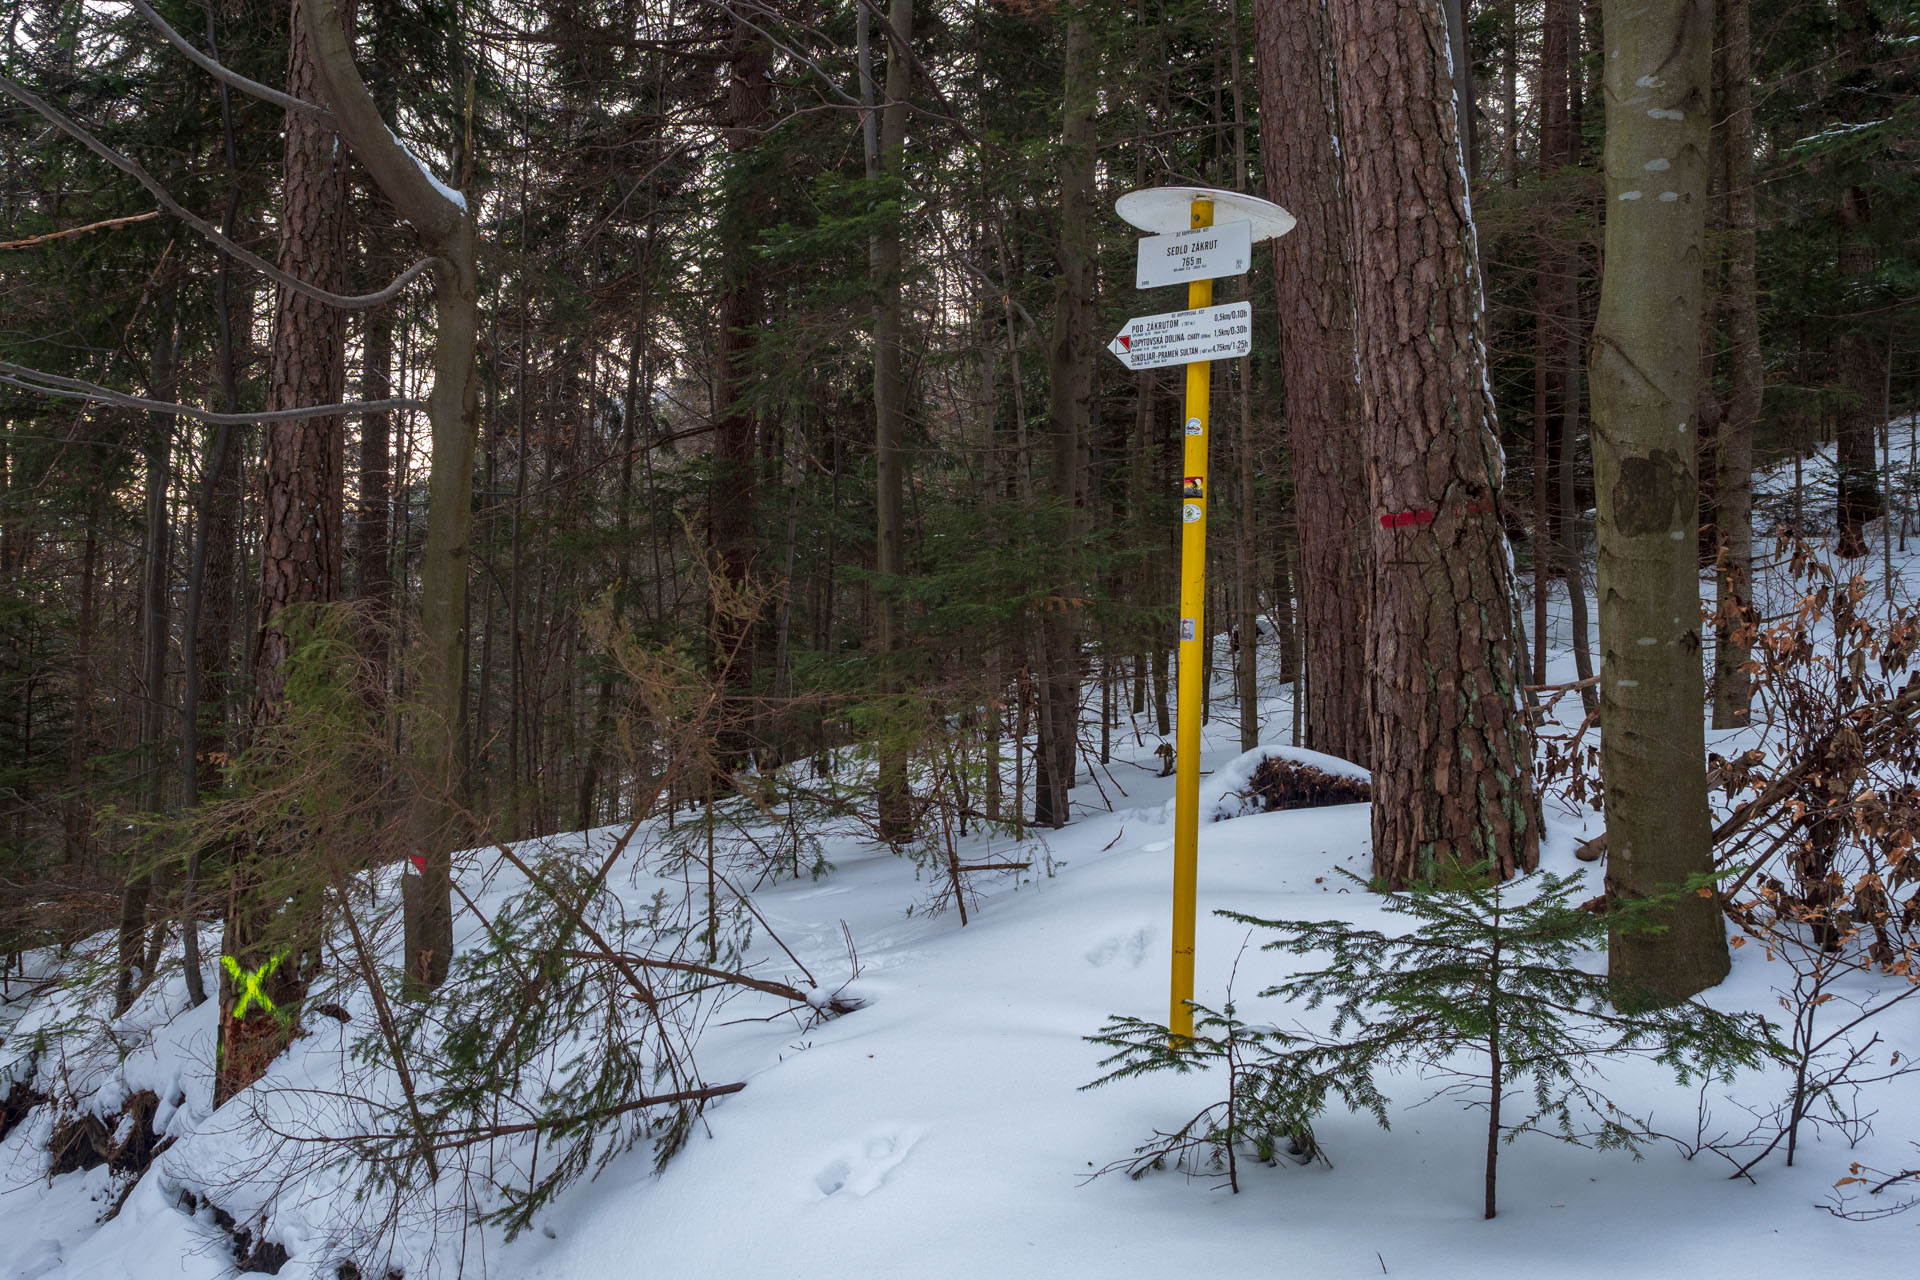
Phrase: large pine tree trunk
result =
(1070, 414)
(1452, 757)
(1645, 375)
(1317, 364)
(300, 554)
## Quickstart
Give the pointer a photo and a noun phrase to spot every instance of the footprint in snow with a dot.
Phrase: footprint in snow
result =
(863, 1170)
(1134, 947)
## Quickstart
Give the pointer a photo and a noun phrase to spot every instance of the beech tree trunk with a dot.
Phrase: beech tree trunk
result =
(1311, 279)
(445, 224)
(1452, 758)
(1645, 376)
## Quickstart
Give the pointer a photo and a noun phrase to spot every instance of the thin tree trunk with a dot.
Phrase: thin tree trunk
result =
(1244, 551)
(730, 521)
(1070, 413)
(895, 800)
(1552, 337)
(375, 585)
(77, 814)
(1856, 358)
(445, 223)
(1569, 545)
(155, 626)
(1733, 487)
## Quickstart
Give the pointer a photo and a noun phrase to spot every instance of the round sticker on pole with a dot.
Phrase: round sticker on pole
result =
(1189, 513)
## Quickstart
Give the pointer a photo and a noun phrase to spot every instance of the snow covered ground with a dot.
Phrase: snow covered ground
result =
(941, 1130)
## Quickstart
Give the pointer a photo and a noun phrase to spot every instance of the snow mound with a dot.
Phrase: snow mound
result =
(1228, 791)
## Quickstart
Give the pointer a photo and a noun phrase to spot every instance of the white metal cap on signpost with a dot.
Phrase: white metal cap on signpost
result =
(1162, 209)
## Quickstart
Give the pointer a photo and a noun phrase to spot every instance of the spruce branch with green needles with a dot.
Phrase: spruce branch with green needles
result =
(1486, 993)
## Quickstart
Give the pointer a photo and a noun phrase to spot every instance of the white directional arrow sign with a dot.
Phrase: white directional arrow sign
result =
(1204, 253)
(1209, 333)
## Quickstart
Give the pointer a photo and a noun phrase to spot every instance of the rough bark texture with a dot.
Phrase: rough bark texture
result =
(300, 552)
(1070, 414)
(1733, 481)
(1311, 279)
(300, 559)
(1645, 378)
(1452, 758)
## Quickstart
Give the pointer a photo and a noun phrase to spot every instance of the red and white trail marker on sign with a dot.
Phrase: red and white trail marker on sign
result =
(1178, 337)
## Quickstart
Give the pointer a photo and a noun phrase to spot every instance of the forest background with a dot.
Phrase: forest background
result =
(786, 326)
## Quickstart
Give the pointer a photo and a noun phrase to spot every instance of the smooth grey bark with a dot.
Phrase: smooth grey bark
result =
(1645, 377)
(446, 225)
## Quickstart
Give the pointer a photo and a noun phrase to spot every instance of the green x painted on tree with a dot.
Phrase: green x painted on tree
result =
(250, 985)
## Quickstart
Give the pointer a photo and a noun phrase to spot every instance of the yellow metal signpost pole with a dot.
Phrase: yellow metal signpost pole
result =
(1193, 634)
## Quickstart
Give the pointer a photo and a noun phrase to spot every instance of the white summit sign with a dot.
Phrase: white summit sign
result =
(1206, 333)
(1202, 253)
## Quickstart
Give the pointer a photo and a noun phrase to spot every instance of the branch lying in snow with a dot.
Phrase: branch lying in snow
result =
(219, 72)
(786, 991)
(447, 1139)
(346, 302)
(49, 384)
